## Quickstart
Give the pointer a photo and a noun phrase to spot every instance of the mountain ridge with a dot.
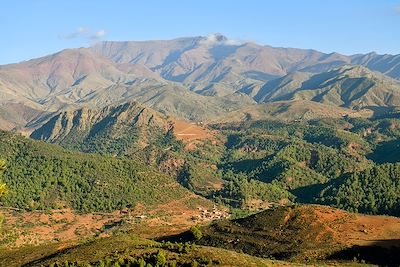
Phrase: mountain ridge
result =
(352, 87)
(194, 78)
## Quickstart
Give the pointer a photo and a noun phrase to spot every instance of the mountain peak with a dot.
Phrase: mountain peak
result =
(359, 71)
(218, 37)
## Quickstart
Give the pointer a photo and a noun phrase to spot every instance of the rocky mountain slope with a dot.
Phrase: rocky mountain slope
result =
(386, 64)
(351, 87)
(294, 110)
(124, 130)
(216, 58)
(78, 77)
(86, 123)
(195, 78)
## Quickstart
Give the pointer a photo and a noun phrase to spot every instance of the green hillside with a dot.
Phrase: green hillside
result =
(312, 162)
(253, 164)
(44, 176)
(375, 190)
(127, 250)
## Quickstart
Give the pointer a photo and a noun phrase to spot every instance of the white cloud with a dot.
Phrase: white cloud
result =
(84, 33)
(98, 35)
(219, 39)
(78, 33)
(397, 9)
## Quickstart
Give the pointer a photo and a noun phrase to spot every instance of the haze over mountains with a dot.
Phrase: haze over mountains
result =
(195, 78)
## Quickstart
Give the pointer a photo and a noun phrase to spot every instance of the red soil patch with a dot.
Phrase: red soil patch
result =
(58, 225)
(188, 132)
(171, 218)
(34, 228)
(355, 229)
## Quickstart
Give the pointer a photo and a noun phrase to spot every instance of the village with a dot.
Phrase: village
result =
(206, 215)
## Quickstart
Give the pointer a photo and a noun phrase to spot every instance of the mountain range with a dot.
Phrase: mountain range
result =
(194, 78)
(199, 141)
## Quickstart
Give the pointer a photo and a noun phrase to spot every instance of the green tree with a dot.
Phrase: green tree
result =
(160, 259)
(3, 187)
(195, 231)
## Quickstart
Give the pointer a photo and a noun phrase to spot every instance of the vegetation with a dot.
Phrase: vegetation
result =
(312, 162)
(239, 190)
(375, 191)
(43, 176)
(309, 234)
(3, 187)
(125, 250)
(256, 164)
(196, 233)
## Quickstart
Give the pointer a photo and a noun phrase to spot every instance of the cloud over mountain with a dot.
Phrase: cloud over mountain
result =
(219, 39)
(84, 33)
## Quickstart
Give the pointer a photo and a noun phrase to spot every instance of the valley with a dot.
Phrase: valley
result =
(199, 151)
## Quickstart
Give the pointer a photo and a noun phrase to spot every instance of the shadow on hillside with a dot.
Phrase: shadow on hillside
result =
(383, 112)
(245, 165)
(177, 238)
(386, 152)
(307, 194)
(381, 252)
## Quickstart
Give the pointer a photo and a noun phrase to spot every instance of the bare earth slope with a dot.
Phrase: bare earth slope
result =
(309, 232)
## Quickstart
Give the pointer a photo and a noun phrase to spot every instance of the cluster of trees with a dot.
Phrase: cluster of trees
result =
(121, 141)
(3, 187)
(239, 189)
(302, 164)
(374, 190)
(319, 162)
(43, 176)
(160, 258)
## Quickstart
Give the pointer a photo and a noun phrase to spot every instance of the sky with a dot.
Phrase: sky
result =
(34, 28)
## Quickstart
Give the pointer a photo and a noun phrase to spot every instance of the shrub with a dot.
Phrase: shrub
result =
(196, 233)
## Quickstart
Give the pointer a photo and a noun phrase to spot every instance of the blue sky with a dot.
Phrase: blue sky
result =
(34, 28)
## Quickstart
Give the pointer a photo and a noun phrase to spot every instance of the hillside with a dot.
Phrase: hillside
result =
(309, 233)
(300, 235)
(216, 59)
(76, 78)
(325, 161)
(128, 250)
(294, 110)
(349, 87)
(44, 176)
(246, 164)
(194, 78)
(373, 190)
(130, 125)
(386, 64)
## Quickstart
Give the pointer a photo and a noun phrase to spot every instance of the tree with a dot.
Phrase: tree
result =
(3, 187)
(160, 259)
(197, 234)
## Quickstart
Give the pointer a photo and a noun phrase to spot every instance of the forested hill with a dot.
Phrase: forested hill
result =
(45, 176)
(350, 163)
